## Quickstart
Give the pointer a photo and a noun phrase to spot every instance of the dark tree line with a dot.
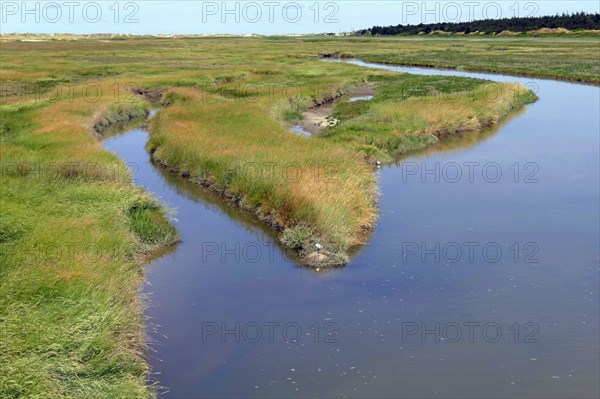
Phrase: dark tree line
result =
(574, 21)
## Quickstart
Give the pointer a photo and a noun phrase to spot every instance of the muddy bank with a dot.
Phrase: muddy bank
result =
(318, 118)
(153, 96)
(335, 55)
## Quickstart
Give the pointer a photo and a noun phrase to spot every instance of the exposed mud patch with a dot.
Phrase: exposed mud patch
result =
(318, 118)
(151, 95)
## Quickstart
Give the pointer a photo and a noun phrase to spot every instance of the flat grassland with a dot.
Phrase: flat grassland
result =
(567, 57)
(75, 231)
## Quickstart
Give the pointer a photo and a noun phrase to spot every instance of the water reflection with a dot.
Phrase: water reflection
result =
(462, 140)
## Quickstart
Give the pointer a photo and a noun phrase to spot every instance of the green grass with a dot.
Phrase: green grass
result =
(411, 112)
(74, 231)
(147, 220)
(118, 113)
(569, 57)
(73, 235)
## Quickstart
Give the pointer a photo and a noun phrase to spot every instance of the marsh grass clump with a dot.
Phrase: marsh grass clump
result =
(113, 114)
(302, 239)
(11, 228)
(297, 237)
(171, 98)
(148, 222)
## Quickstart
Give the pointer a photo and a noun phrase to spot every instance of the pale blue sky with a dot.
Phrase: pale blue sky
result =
(261, 17)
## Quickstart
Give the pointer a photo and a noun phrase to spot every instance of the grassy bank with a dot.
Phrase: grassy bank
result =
(75, 231)
(412, 112)
(74, 234)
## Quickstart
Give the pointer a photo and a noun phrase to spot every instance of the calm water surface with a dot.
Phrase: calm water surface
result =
(480, 280)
